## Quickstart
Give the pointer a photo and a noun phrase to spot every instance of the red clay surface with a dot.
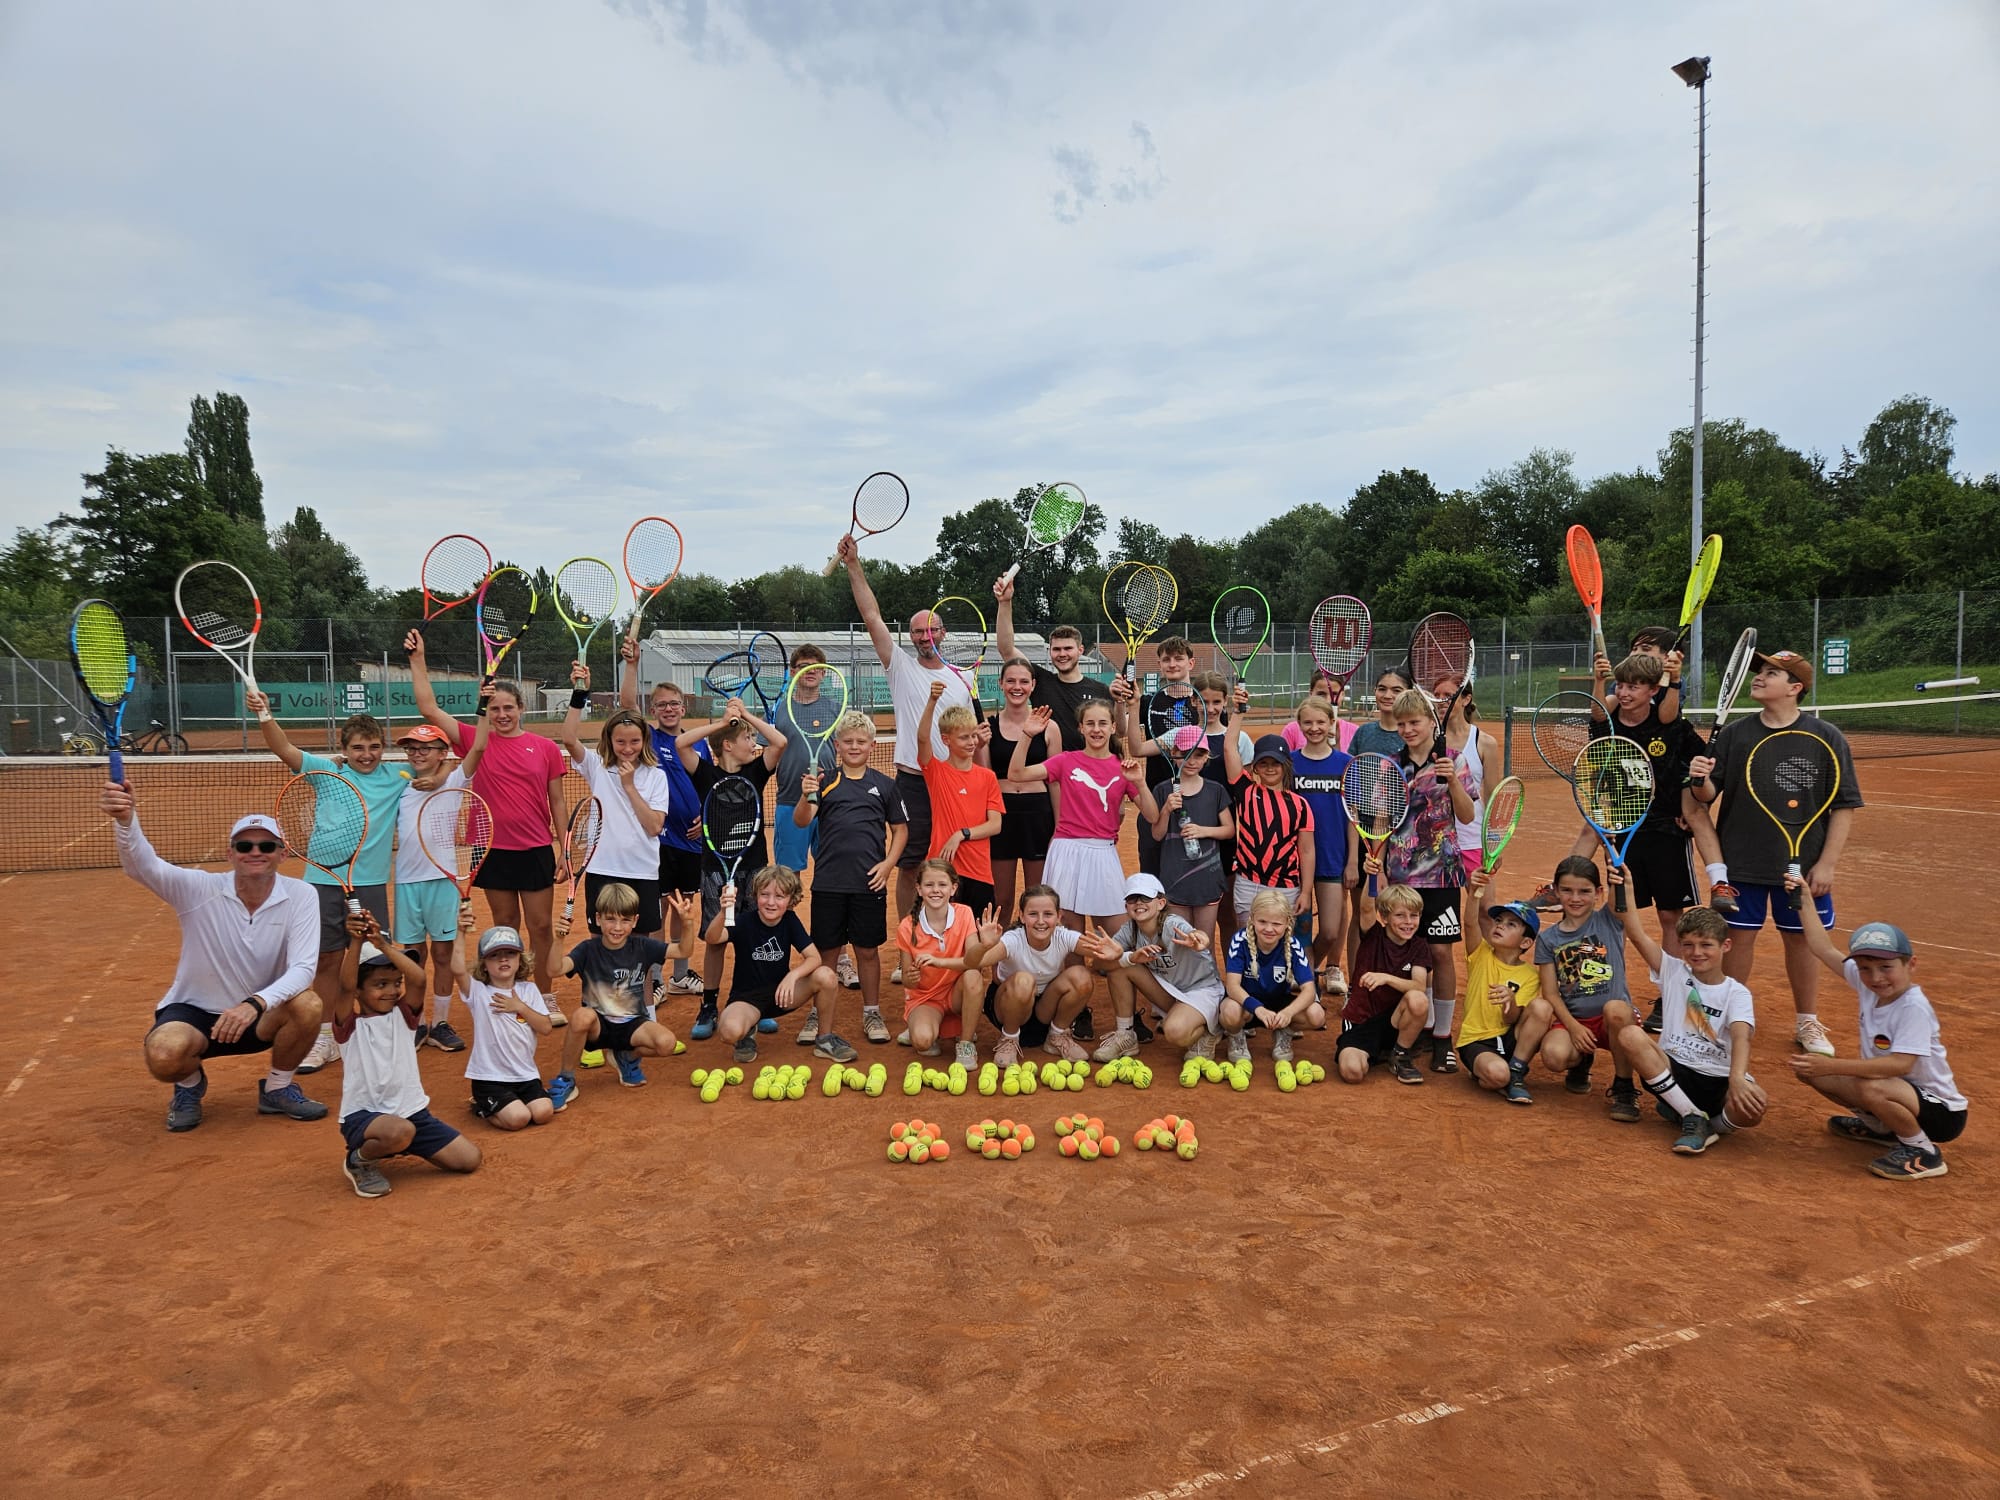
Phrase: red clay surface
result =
(1373, 1290)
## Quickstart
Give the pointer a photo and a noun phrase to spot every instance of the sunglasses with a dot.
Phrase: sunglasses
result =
(262, 846)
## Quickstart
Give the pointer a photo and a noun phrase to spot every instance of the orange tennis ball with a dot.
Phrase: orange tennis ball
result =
(1163, 1139)
(1089, 1150)
(920, 1153)
(1094, 1121)
(899, 1150)
(1093, 1131)
(1006, 1128)
(1011, 1150)
(974, 1140)
(1069, 1145)
(1064, 1125)
(1172, 1122)
(940, 1151)
(988, 1127)
(1110, 1146)
(1025, 1140)
(990, 1149)
(1187, 1150)
(898, 1130)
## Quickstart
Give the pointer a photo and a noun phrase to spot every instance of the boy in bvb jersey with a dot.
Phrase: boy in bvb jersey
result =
(861, 832)
(1900, 1088)
(384, 1110)
(615, 1014)
(1582, 963)
(1389, 999)
(1699, 1069)
(966, 806)
(766, 983)
(1505, 1017)
(1659, 642)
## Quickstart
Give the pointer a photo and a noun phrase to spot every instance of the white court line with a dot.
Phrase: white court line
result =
(1942, 807)
(1494, 1395)
(35, 1058)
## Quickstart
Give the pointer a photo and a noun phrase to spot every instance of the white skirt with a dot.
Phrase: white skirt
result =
(1087, 875)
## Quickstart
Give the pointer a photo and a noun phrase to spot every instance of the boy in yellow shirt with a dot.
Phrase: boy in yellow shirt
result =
(1505, 1017)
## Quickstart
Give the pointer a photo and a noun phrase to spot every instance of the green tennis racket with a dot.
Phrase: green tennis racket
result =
(1498, 821)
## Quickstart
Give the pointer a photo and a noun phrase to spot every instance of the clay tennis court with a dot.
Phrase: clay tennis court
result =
(1374, 1290)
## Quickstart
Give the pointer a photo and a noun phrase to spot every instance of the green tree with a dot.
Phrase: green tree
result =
(325, 579)
(218, 450)
(1529, 508)
(37, 590)
(1908, 437)
(1468, 583)
(1383, 521)
(1298, 559)
(143, 519)
(1772, 522)
(976, 546)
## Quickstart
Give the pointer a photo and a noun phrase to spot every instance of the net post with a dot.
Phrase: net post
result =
(1507, 739)
(1958, 657)
(1812, 700)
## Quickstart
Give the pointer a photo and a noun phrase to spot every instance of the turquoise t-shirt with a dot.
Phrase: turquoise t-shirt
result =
(381, 793)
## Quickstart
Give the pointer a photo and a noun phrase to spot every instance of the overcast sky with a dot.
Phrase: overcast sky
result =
(536, 268)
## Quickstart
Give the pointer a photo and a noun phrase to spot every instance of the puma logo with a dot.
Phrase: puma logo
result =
(1078, 774)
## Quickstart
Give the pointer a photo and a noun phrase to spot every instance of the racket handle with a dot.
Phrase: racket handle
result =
(117, 764)
(1371, 885)
(813, 798)
(1791, 896)
(831, 563)
(728, 901)
(1618, 894)
(353, 906)
(1008, 576)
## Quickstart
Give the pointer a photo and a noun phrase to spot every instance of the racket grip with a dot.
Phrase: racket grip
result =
(353, 906)
(813, 798)
(1618, 895)
(117, 765)
(728, 902)
(1008, 576)
(1792, 896)
(831, 564)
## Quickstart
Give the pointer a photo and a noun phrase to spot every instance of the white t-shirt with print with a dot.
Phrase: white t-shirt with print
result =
(1695, 1018)
(503, 1045)
(1019, 956)
(1907, 1025)
(909, 691)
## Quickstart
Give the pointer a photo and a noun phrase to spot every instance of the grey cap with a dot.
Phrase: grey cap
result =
(1880, 938)
(494, 939)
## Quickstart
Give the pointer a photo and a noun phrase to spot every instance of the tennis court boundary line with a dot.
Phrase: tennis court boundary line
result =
(1511, 1390)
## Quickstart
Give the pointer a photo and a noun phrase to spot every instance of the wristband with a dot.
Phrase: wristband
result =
(263, 716)
(580, 698)
(1124, 960)
(262, 1008)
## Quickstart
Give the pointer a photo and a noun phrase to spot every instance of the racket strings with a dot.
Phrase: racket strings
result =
(1503, 811)
(219, 604)
(1148, 597)
(1614, 782)
(586, 827)
(455, 828)
(323, 818)
(1056, 514)
(1340, 632)
(730, 816)
(1441, 648)
(653, 552)
(1375, 791)
(881, 502)
(587, 590)
(103, 654)
(455, 568)
(1585, 571)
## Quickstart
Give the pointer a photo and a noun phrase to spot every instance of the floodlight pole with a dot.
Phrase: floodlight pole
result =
(1694, 73)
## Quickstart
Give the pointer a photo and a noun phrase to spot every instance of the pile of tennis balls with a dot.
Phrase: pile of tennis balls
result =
(712, 1081)
(1298, 1075)
(1016, 1078)
(999, 1139)
(1085, 1138)
(786, 1082)
(870, 1083)
(951, 1080)
(1125, 1070)
(1169, 1133)
(917, 1141)
(1207, 1070)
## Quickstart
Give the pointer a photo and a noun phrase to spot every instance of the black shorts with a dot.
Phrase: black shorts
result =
(1939, 1120)
(615, 1034)
(841, 917)
(1501, 1046)
(680, 869)
(518, 870)
(1441, 921)
(649, 899)
(204, 1022)
(491, 1095)
(1149, 850)
(1660, 865)
(974, 895)
(1375, 1036)
(432, 1136)
(916, 795)
(1708, 1091)
(1026, 826)
(711, 896)
(766, 1002)
(1034, 1030)
(333, 912)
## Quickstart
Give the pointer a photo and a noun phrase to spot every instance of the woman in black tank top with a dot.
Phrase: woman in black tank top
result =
(1028, 817)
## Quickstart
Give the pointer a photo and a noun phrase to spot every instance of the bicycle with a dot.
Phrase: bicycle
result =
(157, 740)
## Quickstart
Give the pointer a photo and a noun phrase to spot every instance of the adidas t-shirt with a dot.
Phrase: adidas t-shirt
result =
(764, 954)
(854, 817)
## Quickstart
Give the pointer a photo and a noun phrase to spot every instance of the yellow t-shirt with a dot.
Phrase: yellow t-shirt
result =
(1478, 1016)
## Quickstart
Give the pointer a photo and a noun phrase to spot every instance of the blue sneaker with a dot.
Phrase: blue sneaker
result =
(629, 1072)
(562, 1089)
(289, 1101)
(1516, 1092)
(767, 1024)
(1695, 1134)
(185, 1111)
(704, 1022)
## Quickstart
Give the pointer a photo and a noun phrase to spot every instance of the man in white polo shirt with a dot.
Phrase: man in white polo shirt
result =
(249, 945)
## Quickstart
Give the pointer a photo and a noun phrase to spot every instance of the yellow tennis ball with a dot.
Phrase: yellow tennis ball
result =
(698, 1077)
(733, 1076)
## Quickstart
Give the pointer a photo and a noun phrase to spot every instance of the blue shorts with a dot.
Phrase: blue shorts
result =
(792, 845)
(432, 1136)
(426, 909)
(1754, 901)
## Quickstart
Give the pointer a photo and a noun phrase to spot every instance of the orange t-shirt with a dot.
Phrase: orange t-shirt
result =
(963, 799)
(930, 985)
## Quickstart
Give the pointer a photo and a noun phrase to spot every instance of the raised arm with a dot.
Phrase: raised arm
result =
(628, 680)
(1635, 925)
(420, 687)
(275, 738)
(849, 553)
(1814, 931)
(570, 730)
(924, 756)
(1003, 616)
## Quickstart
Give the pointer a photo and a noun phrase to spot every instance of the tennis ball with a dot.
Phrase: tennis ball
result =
(989, 1081)
(988, 1126)
(1068, 1145)
(873, 1087)
(1095, 1124)
(1190, 1073)
(1142, 1077)
(831, 1088)
(940, 1151)
(1028, 1084)
(899, 1151)
(1144, 1140)
(988, 1149)
(1089, 1150)
(1286, 1080)
(712, 1090)
(920, 1153)
(1172, 1122)
(1211, 1070)
(1010, 1086)
(1106, 1077)
(733, 1076)
(854, 1078)
(1109, 1145)
(1239, 1079)
(679, 1046)
(698, 1077)
(761, 1089)
(955, 1082)
(1064, 1125)
(1075, 1082)
(1186, 1150)
(1185, 1132)
(1004, 1129)
(1080, 1070)
(1163, 1139)
(1093, 1133)
(898, 1130)
(1025, 1140)
(1011, 1150)
(1049, 1075)
(800, 1079)
(913, 1079)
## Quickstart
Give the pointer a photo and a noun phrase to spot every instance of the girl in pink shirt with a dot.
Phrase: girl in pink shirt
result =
(1083, 862)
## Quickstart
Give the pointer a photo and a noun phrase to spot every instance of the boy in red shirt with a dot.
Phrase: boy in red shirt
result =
(1389, 1004)
(966, 805)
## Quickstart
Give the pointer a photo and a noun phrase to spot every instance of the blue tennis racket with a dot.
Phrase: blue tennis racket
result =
(106, 668)
(1613, 782)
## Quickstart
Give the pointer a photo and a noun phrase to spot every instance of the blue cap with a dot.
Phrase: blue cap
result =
(1271, 747)
(1880, 939)
(1521, 912)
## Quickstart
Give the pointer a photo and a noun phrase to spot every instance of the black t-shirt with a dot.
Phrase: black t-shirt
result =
(614, 979)
(1002, 755)
(1669, 747)
(705, 774)
(854, 818)
(764, 954)
(1752, 846)
(1065, 700)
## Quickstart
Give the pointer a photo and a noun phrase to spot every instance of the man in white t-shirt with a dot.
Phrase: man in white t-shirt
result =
(910, 679)
(249, 946)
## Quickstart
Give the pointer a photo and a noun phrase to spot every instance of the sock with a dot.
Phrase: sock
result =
(1011, 1036)
(276, 1079)
(1670, 1094)
(1920, 1140)
(190, 1081)
(1718, 874)
(1124, 1023)
(1517, 1069)
(871, 1010)
(1441, 1016)
(1805, 1016)
(680, 968)
(440, 1009)
(708, 997)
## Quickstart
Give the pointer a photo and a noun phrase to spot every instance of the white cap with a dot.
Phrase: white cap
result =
(370, 954)
(1145, 885)
(264, 821)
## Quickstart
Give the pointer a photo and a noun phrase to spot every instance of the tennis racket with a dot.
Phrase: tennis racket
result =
(815, 719)
(500, 629)
(732, 816)
(730, 676)
(586, 593)
(1735, 673)
(880, 502)
(586, 827)
(1588, 575)
(455, 831)
(325, 823)
(1377, 798)
(106, 668)
(1441, 650)
(1137, 598)
(1052, 520)
(963, 640)
(1240, 624)
(770, 670)
(1502, 815)
(454, 569)
(1613, 784)
(219, 607)
(653, 553)
(1178, 727)
(1794, 776)
(1563, 724)
(1339, 634)
(1701, 578)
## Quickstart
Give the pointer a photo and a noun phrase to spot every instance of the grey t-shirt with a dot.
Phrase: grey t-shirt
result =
(1186, 969)
(815, 717)
(1196, 880)
(1590, 962)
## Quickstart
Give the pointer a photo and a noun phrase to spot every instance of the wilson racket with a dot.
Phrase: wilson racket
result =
(815, 699)
(880, 502)
(1735, 673)
(1701, 578)
(1793, 776)
(1339, 634)
(586, 597)
(1613, 784)
(653, 553)
(325, 824)
(454, 569)
(771, 670)
(732, 817)
(503, 620)
(455, 831)
(1240, 624)
(962, 639)
(1377, 798)
(1499, 819)
(1052, 520)
(106, 668)
(730, 676)
(1563, 724)
(1588, 575)
(219, 607)
(1441, 651)
(1137, 598)
(586, 827)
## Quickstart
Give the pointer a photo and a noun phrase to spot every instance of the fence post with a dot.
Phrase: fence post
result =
(1958, 658)
(1813, 699)
(1505, 685)
(332, 742)
(167, 661)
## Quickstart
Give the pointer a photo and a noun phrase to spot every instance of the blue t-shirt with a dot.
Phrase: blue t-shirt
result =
(382, 794)
(682, 829)
(1269, 978)
(1318, 781)
(1371, 738)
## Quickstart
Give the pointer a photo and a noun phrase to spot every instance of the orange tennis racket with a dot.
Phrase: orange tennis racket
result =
(1588, 575)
